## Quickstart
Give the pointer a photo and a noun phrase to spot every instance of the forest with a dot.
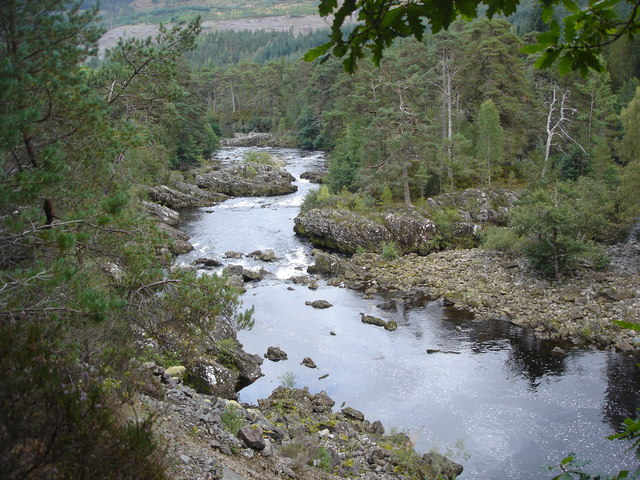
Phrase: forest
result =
(81, 139)
(463, 108)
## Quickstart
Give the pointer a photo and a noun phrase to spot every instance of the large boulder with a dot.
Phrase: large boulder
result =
(179, 241)
(345, 230)
(162, 213)
(249, 180)
(341, 230)
(251, 139)
(183, 196)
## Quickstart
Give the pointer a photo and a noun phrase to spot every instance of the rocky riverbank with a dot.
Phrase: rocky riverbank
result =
(293, 434)
(580, 308)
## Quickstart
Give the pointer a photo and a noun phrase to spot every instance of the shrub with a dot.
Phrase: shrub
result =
(288, 380)
(389, 251)
(262, 158)
(233, 420)
(502, 239)
(386, 197)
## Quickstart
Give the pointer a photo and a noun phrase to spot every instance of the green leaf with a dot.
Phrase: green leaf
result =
(316, 52)
(327, 6)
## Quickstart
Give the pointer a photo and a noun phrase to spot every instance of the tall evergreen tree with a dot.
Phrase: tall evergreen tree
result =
(490, 140)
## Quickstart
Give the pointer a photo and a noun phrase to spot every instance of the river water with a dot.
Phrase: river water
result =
(494, 398)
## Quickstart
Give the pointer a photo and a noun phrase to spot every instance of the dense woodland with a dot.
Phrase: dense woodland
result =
(82, 266)
(464, 108)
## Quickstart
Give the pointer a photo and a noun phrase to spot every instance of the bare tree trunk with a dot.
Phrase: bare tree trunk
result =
(233, 98)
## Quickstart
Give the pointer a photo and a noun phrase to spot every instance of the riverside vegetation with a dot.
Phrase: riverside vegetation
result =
(91, 316)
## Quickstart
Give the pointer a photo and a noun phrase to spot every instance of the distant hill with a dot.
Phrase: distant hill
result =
(122, 12)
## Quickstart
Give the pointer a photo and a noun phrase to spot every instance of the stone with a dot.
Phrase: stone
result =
(432, 350)
(314, 176)
(251, 435)
(208, 262)
(557, 350)
(308, 362)
(251, 275)
(377, 428)
(353, 413)
(319, 304)
(176, 371)
(371, 320)
(275, 354)
(185, 459)
(440, 463)
(162, 213)
(232, 254)
(391, 325)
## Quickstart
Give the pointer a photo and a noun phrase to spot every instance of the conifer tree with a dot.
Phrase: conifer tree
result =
(490, 141)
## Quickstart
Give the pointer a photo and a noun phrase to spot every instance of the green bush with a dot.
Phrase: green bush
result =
(502, 239)
(389, 251)
(233, 420)
(560, 224)
(261, 158)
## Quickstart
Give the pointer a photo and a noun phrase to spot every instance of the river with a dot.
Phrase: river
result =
(494, 398)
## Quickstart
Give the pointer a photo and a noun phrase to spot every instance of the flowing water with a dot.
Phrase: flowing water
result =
(493, 394)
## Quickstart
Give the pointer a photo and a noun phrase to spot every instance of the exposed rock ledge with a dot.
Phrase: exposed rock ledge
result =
(248, 180)
(251, 139)
(408, 228)
(490, 285)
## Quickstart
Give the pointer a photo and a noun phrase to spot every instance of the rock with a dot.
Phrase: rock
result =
(251, 435)
(210, 378)
(268, 256)
(174, 198)
(371, 320)
(353, 413)
(322, 377)
(341, 230)
(162, 213)
(178, 239)
(233, 270)
(232, 254)
(313, 285)
(432, 350)
(251, 139)
(442, 465)
(248, 368)
(314, 176)
(377, 428)
(319, 304)
(275, 354)
(249, 180)
(251, 275)
(557, 350)
(208, 262)
(177, 372)
(200, 197)
(327, 264)
(307, 362)
(185, 459)
(391, 325)
(265, 256)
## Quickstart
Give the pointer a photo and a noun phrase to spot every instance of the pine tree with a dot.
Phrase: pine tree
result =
(490, 140)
